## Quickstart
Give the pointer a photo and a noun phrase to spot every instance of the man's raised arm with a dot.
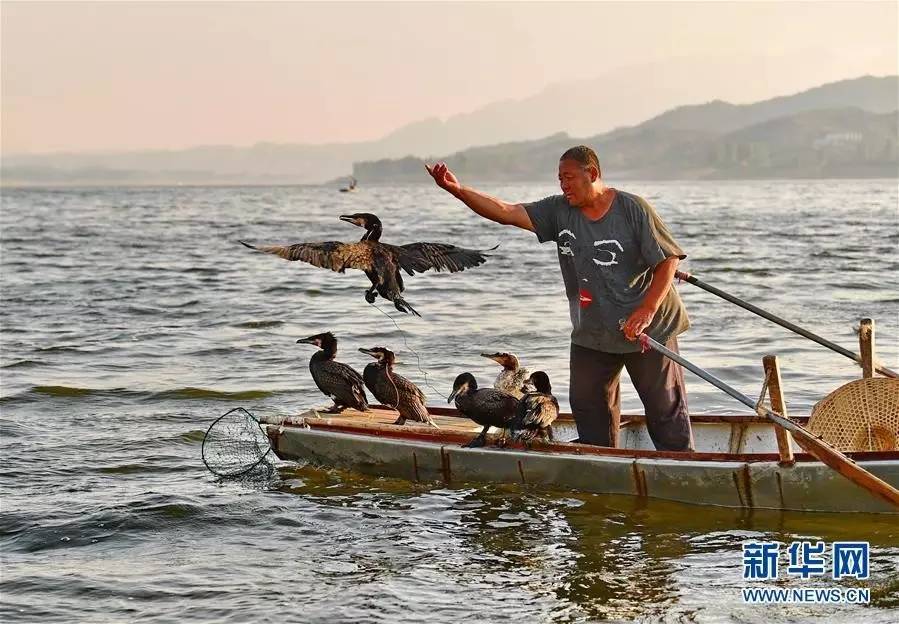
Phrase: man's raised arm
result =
(481, 203)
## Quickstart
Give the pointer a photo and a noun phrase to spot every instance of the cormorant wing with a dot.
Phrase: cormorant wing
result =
(332, 255)
(540, 410)
(407, 387)
(345, 371)
(499, 401)
(421, 257)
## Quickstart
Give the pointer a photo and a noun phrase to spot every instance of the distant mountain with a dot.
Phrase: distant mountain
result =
(842, 142)
(627, 96)
(875, 95)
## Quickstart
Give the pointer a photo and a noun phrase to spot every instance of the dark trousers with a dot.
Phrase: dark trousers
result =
(596, 398)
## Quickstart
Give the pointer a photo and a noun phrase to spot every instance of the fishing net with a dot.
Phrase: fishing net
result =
(235, 445)
(862, 415)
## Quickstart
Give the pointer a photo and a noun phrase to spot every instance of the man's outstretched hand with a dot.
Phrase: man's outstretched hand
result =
(444, 178)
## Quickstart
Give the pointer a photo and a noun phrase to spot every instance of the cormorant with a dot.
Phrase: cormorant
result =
(334, 379)
(381, 262)
(512, 378)
(394, 390)
(486, 406)
(536, 411)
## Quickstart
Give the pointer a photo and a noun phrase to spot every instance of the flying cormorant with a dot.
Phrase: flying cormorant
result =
(382, 263)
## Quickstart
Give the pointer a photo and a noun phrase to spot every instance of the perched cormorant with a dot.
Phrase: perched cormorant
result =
(486, 406)
(336, 380)
(394, 390)
(536, 411)
(513, 377)
(381, 262)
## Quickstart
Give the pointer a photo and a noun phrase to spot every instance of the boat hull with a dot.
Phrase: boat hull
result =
(738, 480)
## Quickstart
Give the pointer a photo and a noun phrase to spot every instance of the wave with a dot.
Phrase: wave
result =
(185, 393)
(192, 437)
(60, 349)
(258, 324)
(24, 364)
(203, 393)
(216, 351)
(68, 391)
(33, 533)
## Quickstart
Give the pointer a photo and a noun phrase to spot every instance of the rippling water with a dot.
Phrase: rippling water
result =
(131, 318)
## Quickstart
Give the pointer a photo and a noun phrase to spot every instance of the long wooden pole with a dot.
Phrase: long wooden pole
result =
(815, 446)
(883, 370)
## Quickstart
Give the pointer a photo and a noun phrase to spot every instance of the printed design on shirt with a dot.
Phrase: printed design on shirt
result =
(606, 257)
(584, 298)
(564, 242)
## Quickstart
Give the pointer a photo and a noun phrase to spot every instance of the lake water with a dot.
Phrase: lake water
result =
(131, 319)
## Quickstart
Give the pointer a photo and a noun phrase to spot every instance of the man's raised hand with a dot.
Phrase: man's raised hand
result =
(444, 178)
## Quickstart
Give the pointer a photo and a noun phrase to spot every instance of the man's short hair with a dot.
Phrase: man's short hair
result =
(583, 155)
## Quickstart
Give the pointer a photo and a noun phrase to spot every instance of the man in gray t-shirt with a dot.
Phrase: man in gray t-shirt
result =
(617, 260)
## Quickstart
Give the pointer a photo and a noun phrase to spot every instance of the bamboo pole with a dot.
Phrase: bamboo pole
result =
(883, 370)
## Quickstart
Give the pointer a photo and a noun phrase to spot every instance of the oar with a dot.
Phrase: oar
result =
(813, 445)
(883, 370)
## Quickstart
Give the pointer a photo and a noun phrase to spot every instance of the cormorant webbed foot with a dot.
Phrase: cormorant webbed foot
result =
(479, 441)
(403, 306)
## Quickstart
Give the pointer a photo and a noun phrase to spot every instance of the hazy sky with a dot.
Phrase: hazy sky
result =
(96, 76)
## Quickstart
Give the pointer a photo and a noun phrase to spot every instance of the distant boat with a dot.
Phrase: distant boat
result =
(351, 188)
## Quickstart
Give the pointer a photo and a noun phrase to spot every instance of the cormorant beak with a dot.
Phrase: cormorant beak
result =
(452, 395)
(312, 341)
(491, 356)
(350, 219)
(368, 352)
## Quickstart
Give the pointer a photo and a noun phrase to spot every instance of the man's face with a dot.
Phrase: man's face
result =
(576, 181)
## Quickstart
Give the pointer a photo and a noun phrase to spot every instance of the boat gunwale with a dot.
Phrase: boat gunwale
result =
(436, 436)
(567, 418)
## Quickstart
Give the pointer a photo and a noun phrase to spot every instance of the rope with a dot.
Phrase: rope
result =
(417, 357)
(760, 404)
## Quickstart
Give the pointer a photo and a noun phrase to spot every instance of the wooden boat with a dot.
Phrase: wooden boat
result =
(736, 463)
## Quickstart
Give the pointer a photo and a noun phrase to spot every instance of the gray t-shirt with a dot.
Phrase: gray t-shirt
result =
(607, 267)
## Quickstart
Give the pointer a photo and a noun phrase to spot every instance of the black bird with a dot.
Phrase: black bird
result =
(394, 390)
(382, 263)
(536, 411)
(335, 380)
(486, 406)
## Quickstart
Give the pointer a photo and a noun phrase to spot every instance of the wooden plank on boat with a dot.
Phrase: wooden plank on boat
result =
(775, 392)
(866, 347)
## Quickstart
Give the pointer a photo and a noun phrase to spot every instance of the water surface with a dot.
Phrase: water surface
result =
(131, 318)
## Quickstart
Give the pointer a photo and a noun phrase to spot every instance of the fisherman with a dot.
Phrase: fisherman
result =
(618, 260)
